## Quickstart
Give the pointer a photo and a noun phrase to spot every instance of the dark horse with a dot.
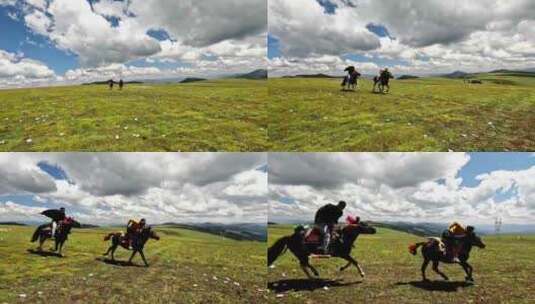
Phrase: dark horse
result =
(382, 81)
(137, 243)
(339, 247)
(350, 80)
(44, 232)
(431, 252)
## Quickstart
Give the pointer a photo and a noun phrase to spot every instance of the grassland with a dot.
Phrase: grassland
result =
(426, 114)
(219, 115)
(186, 267)
(503, 273)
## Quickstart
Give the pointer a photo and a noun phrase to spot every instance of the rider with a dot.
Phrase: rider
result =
(325, 219)
(133, 228)
(451, 238)
(55, 222)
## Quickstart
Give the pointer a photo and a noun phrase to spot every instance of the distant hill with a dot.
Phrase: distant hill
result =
(88, 226)
(191, 79)
(12, 224)
(240, 232)
(403, 77)
(256, 74)
(107, 81)
(320, 75)
(456, 74)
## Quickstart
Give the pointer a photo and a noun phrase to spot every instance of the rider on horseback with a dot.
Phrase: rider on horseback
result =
(133, 228)
(452, 239)
(325, 219)
(56, 215)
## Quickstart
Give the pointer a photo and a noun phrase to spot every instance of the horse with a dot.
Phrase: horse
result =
(137, 242)
(340, 247)
(431, 252)
(44, 232)
(381, 82)
(351, 81)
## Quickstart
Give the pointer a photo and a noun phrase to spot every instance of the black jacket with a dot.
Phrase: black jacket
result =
(328, 214)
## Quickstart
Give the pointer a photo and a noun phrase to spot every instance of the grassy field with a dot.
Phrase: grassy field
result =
(221, 115)
(427, 114)
(503, 273)
(186, 267)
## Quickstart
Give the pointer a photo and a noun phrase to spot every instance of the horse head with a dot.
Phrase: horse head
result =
(352, 231)
(148, 233)
(476, 241)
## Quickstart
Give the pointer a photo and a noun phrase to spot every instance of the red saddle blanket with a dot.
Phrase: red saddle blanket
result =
(312, 236)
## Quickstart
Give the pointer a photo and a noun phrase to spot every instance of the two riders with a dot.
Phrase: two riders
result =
(380, 81)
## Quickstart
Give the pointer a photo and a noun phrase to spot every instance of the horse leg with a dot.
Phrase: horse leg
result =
(132, 256)
(351, 260)
(468, 270)
(424, 267)
(435, 268)
(303, 262)
(113, 248)
(345, 266)
(143, 258)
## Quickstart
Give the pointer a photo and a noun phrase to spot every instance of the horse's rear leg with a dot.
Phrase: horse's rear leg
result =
(424, 267)
(435, 268)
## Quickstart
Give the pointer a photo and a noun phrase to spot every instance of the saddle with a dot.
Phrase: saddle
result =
(312, 235)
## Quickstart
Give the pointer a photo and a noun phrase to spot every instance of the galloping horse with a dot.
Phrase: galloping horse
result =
(431, 252)
(44, 232)
(351, 79)
(137, 243)
(382, 81)
(340, 247)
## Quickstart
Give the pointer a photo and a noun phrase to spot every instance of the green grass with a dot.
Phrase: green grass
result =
(183, 266)
(427, 114)
(221, 115)
(503, 273)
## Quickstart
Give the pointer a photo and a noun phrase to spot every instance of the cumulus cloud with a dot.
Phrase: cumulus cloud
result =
(211, 37)
(16, 69)
(418, 36)
(112, 187)
(397, 186)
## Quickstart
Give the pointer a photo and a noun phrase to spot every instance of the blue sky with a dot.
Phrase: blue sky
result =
(408, 187)
(312, 36)
(109, 188)
(74, 41)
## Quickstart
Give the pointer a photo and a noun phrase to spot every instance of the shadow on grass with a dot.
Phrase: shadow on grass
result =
(45, 253)
(446, 286)
(117, 263)
(306, 284)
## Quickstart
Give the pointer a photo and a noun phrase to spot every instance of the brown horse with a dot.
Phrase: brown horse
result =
(44, 232)
(137, 243)
(431, 252)
(340, 247)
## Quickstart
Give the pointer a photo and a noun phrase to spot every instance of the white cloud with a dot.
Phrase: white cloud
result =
(393, 186)
(428, 36)
(112, 187)
(15, 69)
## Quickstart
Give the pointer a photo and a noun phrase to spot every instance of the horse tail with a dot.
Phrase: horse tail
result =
(108, 236)
(277, 249)
(414, 247)
(35, 235)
